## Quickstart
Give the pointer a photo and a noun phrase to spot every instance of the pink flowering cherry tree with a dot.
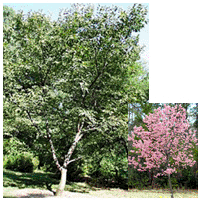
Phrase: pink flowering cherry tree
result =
(166, 145)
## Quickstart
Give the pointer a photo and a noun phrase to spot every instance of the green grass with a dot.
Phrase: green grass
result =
(20, 180)
(13, 180)
(17, 180)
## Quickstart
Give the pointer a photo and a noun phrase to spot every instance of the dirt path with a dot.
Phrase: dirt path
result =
(38, 193)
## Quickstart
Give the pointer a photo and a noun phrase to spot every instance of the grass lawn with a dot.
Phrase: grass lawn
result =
(39, 180)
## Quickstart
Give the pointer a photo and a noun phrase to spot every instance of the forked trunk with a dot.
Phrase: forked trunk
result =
(170, 185)
(67, 160)
(61, 186)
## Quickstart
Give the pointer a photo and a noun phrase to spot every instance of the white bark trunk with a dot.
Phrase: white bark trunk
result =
(61, 186)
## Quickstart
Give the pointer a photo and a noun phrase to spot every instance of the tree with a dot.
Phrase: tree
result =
(69, 79)
(138, 111)
(194, 116)
(8, 14)
(166, 146)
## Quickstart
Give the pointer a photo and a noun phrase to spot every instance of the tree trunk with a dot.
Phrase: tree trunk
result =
(170, 185)
(61, 186)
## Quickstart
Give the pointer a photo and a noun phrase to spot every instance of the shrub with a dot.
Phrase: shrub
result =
(17, 156)
(137, 179)
(36, 162)
(162, 181)
(8, 161)
(22, 162)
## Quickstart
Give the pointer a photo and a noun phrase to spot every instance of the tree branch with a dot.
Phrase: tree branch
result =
(52, 147)
(34, 124)
(94, 81)
(49, 185)
(49, 138)
(74, 160)
(71, 149)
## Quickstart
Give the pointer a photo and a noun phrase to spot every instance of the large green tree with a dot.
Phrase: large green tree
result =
(72, 78)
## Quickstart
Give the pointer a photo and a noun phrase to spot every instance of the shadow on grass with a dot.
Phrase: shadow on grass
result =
(87, 184)
(102, 183)
(24, 180)
(28, 196)
(47, 180)
(9, 197)
(80, 187)
(34, 196)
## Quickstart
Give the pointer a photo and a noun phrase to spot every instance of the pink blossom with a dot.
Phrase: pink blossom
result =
(164, 137)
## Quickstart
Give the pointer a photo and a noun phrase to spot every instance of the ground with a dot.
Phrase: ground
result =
(108, 193)
(38, 193)
(34, 185)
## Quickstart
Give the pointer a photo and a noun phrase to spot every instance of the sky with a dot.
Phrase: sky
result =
(54, 9)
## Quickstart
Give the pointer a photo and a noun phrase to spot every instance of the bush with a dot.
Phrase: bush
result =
(137, 179)
(17, 156)
(174, 182)
(8, 161)
(161, 181)
(22, 162)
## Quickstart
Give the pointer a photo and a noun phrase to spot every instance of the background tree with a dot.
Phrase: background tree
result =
(105, 151)
(166, 145)
(69, 80)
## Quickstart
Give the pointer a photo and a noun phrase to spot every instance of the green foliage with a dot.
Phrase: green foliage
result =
(18, 157)
(13, 146)
(8, 16)
(22, 162)
(106, 156)
(137, 179)
(189, 177)
(111, 166)
(185, 178)
(163, 182)
(174, 182)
